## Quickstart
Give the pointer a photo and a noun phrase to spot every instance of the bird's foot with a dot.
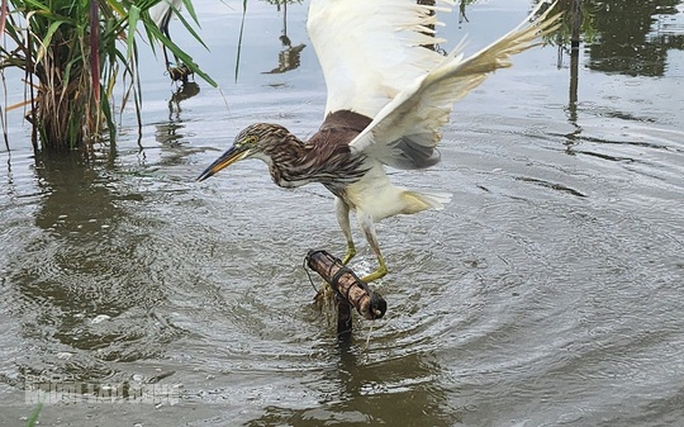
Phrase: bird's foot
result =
(377, 274)
(351, 251)
(179, 72)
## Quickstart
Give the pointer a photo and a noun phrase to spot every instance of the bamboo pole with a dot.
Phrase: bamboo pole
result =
(350, 291)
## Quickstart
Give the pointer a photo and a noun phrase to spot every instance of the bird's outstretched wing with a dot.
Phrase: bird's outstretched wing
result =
(368, 49)
(405, 132)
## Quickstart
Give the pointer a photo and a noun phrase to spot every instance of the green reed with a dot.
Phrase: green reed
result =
(73, 54)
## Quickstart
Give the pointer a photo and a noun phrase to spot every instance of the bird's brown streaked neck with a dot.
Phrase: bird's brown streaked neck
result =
(324, 158)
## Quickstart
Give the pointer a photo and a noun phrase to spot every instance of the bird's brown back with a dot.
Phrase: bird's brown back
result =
(340, 128)
(327, 154)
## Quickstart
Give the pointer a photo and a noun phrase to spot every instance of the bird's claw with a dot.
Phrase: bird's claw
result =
(377, 274)
(351, 252)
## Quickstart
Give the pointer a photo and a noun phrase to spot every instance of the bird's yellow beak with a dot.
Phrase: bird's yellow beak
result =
(231, 156)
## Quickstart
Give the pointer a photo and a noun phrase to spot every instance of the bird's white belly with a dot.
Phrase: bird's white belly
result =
(375, 196)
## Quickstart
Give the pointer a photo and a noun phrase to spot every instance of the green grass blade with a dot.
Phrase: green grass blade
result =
(48, 39)
(30, 4)
(242, 30)
(191, 10)
(117, 7)
(133, 18)
(33, 417)
(191, 30)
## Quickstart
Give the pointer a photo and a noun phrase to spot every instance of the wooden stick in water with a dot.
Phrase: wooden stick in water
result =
(349, 288)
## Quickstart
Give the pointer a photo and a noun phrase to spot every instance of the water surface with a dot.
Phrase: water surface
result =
(547, 293)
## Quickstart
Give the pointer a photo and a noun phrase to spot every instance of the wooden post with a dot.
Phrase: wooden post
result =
(576, 24)
(576, 20)
(349, 289)
(344, 316)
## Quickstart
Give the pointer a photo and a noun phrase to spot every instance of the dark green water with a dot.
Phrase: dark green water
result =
(549, 292)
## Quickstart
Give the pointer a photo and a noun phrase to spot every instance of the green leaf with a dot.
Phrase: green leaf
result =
(239, 47)
(117, 7)
(107, 112)
(191, 30)
(48, 39)
(191, 10)
(30, 4)
(133, 17)
(33, 418)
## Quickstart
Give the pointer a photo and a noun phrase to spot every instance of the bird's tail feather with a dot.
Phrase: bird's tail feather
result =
(417, 201)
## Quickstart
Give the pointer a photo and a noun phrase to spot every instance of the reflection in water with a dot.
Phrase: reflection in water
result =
(574, 20)
(288, 58)
(624, 36)
(626, 45)
(167, 132)
(186, 91)
(404, 391)
(85, 298)
(669, 29)
(549, 294)
(621, 37)
(571, 137)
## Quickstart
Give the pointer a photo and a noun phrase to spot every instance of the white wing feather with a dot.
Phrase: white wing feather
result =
(368, 49)
(159, 11)
(405, 132)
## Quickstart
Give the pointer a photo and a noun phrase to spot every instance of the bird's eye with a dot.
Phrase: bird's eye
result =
(248, 140)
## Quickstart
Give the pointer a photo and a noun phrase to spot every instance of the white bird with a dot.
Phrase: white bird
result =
(388, 96)
(161, 14)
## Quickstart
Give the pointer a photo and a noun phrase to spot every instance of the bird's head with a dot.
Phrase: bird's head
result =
(255, 141)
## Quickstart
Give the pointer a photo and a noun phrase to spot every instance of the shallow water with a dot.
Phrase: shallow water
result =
(547, 293)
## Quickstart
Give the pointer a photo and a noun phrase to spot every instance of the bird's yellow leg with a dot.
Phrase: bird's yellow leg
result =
(381, 271)
(351, 251)
(342, 212)
(325, 295)
(368, 228)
